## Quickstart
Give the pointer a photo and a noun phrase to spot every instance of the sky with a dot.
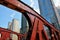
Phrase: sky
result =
(6, 14)
(57, 2)
(33, 4)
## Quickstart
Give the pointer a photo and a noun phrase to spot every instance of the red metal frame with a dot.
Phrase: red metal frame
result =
(35, 20)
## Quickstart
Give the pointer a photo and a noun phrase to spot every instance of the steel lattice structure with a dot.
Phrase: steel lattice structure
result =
(36, 22)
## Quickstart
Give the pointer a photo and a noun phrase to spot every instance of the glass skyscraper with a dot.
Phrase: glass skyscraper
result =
(48, 12)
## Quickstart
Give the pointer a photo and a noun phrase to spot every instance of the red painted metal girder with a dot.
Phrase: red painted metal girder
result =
(21, 7)
(3, 32)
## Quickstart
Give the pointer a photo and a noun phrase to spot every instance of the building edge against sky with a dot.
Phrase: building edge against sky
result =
(58, 9)
(24, 25)
(14, 26)
(57, 13)
(48, 11)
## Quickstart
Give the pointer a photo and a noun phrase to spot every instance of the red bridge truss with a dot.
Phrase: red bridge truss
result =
(36, 23)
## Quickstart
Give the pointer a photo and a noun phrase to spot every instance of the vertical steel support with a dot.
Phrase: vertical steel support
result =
(33, 36)
(46, 36)
(40, 28)
(37, 25)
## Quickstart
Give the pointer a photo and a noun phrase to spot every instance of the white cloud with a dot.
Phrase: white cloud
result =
(32, 3)
(57, 2)
(12, 15)
(31, 0)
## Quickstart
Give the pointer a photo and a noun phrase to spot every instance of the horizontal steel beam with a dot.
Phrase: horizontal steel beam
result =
(22, 7)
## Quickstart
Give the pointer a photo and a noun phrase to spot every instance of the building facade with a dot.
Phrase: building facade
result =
(58, 9)
(14, 26)
(49, 12)
(24, 25)
(10, 25)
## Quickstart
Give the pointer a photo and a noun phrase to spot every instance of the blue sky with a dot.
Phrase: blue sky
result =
(33, 4)
(6, 14)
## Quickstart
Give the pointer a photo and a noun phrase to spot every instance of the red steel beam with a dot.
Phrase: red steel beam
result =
(21, 7)
(10, 31)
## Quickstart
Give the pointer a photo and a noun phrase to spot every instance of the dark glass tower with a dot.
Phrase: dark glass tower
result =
(24, 24)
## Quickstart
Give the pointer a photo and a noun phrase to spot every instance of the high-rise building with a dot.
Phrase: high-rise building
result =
(10, 25)
(49, 12)
(58, 9)
(24, 25)
(14, 26)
